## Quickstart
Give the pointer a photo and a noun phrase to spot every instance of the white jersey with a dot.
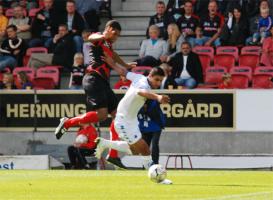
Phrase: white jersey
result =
(131, 103)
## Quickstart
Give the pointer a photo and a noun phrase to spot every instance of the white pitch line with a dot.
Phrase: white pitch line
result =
(240, 196)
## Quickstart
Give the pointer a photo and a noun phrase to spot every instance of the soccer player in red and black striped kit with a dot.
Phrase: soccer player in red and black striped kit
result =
(100, 97)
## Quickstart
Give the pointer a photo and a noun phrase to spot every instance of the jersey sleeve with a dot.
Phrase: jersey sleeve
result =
(133, 76)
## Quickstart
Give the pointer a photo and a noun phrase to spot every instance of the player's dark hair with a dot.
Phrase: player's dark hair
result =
(188, 1)
(161, 3)
(113, 24)
(71, 1)
(157, 71)
(64, 26)
(13, 27)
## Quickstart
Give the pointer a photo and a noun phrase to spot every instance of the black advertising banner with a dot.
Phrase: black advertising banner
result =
(17, 109)
(188, 110)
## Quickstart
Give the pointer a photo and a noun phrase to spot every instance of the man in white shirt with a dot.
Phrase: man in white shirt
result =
(186, 67)
(126, 121)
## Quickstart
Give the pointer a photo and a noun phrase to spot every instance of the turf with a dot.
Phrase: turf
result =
(134, 185)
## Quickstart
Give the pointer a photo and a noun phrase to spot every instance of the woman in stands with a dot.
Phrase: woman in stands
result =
(235, 30)
(175, 39)
(267, 50)
(153, 51)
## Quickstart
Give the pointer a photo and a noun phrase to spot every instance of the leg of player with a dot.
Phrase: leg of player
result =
(112, 156)
(140, 147)
(89, 117)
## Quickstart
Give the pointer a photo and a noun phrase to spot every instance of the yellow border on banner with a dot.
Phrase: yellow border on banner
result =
(196, 91)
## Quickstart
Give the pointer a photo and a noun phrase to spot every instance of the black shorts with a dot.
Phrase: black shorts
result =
(99, 93)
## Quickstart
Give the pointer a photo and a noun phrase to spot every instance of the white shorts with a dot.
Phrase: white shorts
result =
(127, 131)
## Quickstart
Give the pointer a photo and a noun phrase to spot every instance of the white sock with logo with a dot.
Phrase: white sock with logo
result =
(147, 161)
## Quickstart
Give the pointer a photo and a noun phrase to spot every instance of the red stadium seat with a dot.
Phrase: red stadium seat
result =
(214, 74)
(33, 50)
(204, 50)
(264, 70)
(251, 50)
(32, 12)
(228, 50)
(239, 81)
(49, 72)
(227, 61)
(205, 62)
(43, 83)
(142, 69)
(242, 70)
(262, 81)
(29, 71)
(249, 60)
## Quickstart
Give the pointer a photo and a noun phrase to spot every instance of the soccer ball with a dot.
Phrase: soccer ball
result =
(157, 173)
(81, 139)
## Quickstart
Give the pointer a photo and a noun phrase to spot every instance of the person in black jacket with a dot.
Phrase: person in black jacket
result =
(44, 25)
(75, 23)
(161, 20)
(62, 48)
(235, 31)
(186, 67)
(12, 49)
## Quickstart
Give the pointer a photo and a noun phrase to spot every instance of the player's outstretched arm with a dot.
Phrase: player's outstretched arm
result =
(150, 95)
(119, 60)
(120, 70)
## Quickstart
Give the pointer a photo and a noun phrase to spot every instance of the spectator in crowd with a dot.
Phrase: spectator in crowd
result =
(44, 25)
(267, 50)
(210, 27)
(62, 47)
(226, 82)
(153, 51)
(23, 81)
(77, 72)
(75, 24)
(264, 24)
(84, 146)
(186, 67)
(86, 46)
(122, 84)
(22, 23)
(168, 82)
(188, 23)
(3, 24)
(175, 39)
(235, 31)
(151, 122)
(12, 49)
(160, 19)
(7, 82)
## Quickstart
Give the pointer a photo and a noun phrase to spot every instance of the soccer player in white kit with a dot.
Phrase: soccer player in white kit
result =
(126, 122)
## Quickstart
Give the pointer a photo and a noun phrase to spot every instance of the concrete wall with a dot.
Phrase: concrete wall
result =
(12, 143)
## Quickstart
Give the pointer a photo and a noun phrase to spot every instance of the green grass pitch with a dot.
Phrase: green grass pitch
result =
(134, 185)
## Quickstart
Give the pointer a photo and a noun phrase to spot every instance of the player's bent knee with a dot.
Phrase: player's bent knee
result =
(140, 147)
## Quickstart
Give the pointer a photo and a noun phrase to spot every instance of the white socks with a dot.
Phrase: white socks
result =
(147, 161)
(121, 146)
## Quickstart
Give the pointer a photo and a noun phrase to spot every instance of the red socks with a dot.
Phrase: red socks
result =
(89, 117)
(113, 136)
